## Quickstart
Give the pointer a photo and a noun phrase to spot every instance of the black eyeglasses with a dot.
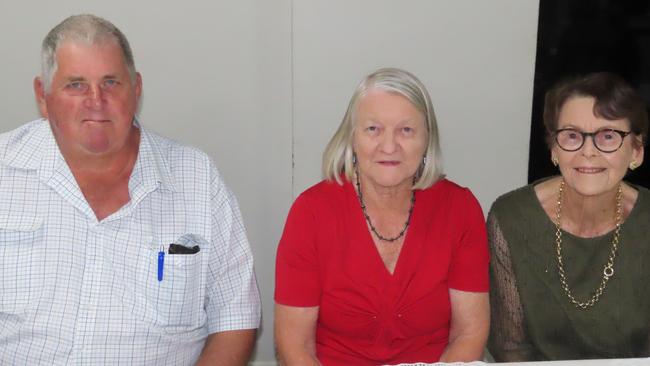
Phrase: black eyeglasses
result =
(606, 140)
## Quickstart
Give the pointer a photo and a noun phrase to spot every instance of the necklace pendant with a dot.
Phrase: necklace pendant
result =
(608, 271)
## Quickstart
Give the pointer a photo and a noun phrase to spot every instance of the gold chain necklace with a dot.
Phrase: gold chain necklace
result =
(608, 270)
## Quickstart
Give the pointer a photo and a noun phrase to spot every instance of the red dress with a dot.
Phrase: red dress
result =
(367, 316)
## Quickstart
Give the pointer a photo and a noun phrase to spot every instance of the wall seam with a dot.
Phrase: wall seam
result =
(293, 104)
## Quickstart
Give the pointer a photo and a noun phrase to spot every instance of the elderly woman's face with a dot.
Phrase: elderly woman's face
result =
(588, 170)
(390, 139)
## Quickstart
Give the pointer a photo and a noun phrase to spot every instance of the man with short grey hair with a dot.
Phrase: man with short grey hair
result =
(117, 246)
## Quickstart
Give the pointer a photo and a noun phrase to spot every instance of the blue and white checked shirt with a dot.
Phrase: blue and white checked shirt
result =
(77, 291)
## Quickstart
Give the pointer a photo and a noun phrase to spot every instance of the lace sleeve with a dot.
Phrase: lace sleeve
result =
(508, 341)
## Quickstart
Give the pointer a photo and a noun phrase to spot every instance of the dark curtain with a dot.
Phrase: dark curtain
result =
(577, 37)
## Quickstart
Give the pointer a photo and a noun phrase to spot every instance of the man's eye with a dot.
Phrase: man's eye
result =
(110, 83)
(75, 85)
(573, 135)
(407, 129)
(371, 128)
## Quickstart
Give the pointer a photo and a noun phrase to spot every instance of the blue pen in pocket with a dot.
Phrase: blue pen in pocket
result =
(161, 263)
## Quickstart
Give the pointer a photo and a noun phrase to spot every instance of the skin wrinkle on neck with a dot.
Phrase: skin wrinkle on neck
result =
(388, 198)
(585, 217)
(588, 216)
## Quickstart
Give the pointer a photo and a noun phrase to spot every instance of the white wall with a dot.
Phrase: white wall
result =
(475, 57)
(261, 86)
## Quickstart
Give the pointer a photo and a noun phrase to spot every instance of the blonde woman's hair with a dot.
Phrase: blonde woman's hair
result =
(338, 155)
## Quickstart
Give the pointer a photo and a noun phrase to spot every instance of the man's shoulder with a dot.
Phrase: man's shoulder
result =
(22, 132)
(176, 155)
(171, 147)
(183, 166)
(24, 139)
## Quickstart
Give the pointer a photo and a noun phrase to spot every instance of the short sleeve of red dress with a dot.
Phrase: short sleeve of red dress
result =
(470, 259)
(296, 266)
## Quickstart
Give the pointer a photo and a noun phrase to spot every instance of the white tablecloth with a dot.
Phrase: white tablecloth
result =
(609, 362)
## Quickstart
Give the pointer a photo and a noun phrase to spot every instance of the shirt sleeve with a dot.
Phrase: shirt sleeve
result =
(470, 259)
(233, 300)
(296, 270)
(508, 341)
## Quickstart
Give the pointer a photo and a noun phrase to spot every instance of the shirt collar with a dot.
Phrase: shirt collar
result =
(151, 168)
(33, 147)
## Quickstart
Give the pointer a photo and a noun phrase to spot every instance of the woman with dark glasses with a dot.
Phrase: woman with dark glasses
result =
(570, 254)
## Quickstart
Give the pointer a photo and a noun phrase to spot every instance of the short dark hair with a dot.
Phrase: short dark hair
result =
(614, 99)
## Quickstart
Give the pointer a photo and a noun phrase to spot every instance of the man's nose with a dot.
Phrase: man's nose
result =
(95, 97)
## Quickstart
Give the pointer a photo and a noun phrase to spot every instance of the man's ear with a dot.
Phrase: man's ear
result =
(138, 85)
(39, 93)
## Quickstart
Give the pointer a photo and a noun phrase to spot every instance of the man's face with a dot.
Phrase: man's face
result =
(92, 100)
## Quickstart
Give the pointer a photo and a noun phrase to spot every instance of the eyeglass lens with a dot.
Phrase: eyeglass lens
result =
(605, 140)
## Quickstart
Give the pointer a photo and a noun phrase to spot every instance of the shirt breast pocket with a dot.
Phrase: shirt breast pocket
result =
(175, 303)
(22, 263)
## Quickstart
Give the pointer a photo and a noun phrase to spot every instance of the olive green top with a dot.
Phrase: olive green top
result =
(547, 326)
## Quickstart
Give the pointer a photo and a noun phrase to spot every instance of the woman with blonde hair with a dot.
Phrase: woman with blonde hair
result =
(385, 261)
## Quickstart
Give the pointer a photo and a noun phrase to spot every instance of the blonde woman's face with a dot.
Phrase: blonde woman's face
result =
(389, 140)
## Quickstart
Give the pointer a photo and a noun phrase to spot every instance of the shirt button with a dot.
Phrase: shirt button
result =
(399, 315)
